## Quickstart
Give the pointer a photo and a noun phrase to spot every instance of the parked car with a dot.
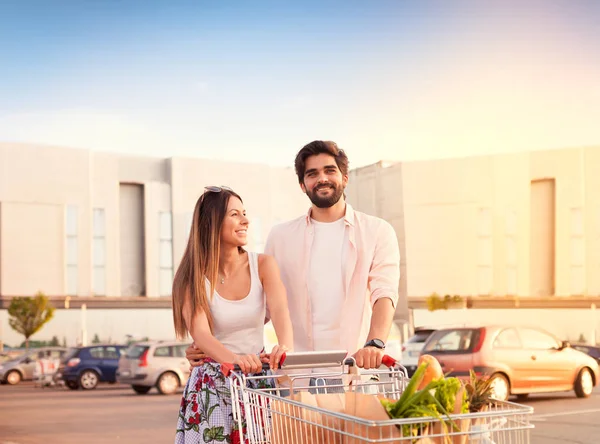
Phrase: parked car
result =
(85, 367)
(160, 364)
(411, 349)
(22, 367)
(520, 360)
(592, 350)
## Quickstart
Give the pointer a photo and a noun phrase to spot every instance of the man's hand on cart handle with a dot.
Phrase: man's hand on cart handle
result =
(388, 361)
(369, 357)
(194, 355)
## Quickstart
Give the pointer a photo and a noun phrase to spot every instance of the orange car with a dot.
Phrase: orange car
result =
(521, 360)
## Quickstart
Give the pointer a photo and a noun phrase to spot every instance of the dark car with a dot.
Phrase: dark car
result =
(592, 350)
(85, 367)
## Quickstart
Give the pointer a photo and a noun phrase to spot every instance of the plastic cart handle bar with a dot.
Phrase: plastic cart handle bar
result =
(388, 361)
(302, 360)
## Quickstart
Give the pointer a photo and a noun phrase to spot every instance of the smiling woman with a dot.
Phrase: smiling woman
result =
(220, 296)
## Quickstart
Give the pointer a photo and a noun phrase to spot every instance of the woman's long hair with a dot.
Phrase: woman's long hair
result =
(200, 260)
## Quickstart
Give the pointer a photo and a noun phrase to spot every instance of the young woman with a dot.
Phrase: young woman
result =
(220, 296)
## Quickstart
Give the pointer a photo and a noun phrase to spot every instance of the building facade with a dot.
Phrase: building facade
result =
(506, 229)
(108, 231)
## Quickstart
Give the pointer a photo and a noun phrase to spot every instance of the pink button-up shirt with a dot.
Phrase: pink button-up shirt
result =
(372, 271)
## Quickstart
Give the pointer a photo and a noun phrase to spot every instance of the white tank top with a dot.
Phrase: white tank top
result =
(239, 325)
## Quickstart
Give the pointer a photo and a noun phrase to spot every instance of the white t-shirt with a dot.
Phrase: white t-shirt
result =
(326, 283)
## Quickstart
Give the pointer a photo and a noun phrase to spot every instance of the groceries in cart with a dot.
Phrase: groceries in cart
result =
(430, 408)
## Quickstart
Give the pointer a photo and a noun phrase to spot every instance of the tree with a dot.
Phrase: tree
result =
(96, 339)
(54, 342)
(28, 315)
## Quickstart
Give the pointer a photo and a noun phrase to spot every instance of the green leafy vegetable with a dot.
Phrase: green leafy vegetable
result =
(436, 400)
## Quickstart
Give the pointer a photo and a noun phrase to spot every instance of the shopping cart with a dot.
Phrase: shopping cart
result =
(345, 408)
(44, 372)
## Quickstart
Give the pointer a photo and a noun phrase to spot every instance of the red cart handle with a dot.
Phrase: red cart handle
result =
(388, 361)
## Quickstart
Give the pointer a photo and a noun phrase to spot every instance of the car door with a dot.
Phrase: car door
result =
(162, 359)
(507, 351)
(110, 362)
(183, 363)
(549, 366)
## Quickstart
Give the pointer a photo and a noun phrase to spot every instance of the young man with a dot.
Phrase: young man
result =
(340, 267)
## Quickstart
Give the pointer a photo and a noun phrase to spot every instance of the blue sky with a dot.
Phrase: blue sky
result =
(254, 81)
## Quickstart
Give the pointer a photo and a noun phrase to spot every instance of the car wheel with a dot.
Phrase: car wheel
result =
(584, 384)
(72, 385)
(13, 377)
(500, 387)
(88, 380)
(167, 383)
(140, 389)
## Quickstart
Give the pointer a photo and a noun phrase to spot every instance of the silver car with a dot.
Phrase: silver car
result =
(160, 364)
(22, 367)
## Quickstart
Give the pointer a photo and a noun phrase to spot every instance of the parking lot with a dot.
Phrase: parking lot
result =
(111, 413)
(114, 413)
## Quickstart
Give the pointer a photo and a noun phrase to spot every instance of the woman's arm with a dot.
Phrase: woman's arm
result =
(277, 305)
(201, 334)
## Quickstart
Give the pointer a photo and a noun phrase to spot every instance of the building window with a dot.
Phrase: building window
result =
(71, 247)
(99, 253)
(166, 253)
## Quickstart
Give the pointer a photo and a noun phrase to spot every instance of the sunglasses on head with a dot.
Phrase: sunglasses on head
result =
(216, 189)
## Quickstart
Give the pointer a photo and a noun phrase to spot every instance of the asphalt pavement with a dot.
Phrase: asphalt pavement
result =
(114, 413)
(564, 418)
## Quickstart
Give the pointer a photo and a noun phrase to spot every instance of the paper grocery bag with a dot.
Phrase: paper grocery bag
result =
(459, 426)
(332, 426)
(444, 429)
(367, 406)
(293, 424)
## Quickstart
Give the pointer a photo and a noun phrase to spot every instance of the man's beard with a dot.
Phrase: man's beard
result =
(326, 201)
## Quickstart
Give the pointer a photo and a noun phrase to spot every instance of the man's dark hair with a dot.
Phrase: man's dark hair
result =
(320, 147)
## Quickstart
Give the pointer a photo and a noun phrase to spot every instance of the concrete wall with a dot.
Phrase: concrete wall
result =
(378, 190)
(467, 221)
(38, 183)
(270, 195)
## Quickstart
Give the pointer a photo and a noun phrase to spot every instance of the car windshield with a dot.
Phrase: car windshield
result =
(420, 336)
(456, 341)
(135, 351)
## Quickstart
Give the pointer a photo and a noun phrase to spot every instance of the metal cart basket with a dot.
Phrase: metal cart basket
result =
(344, 408)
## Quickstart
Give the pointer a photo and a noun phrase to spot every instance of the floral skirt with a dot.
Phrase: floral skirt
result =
(205, 414)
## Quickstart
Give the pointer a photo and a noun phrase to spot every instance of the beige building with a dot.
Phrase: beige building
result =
(108, 230)
(517, 229)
